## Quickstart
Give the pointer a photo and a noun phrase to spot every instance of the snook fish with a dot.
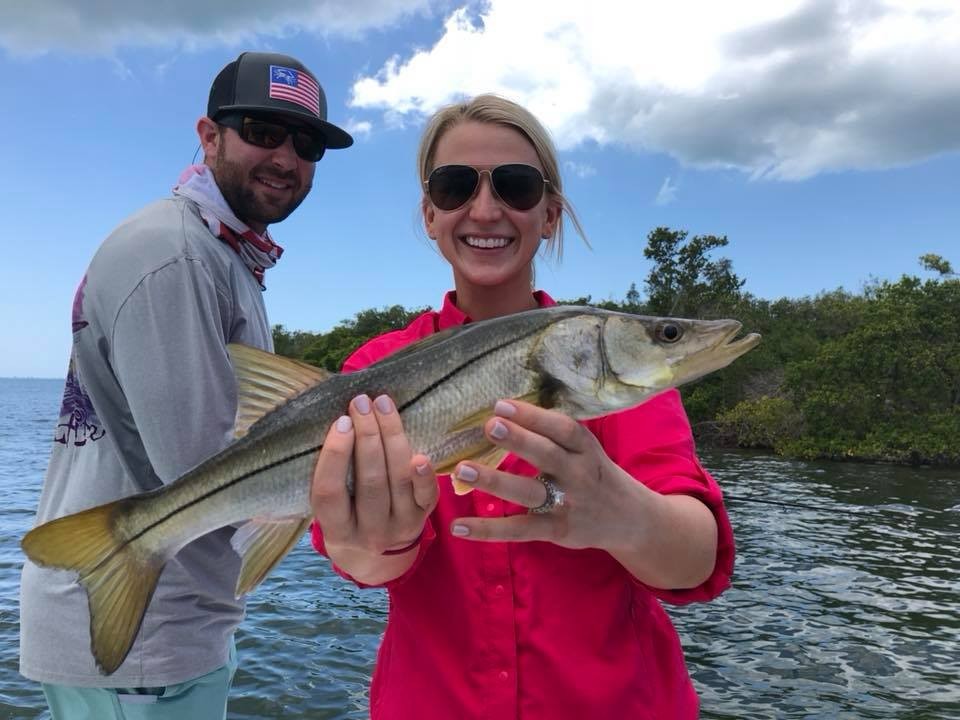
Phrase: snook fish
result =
(581, 361)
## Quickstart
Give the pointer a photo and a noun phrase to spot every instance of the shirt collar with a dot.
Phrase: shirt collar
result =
(450, 315)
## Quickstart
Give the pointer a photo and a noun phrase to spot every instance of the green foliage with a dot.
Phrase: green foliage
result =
(329, 350)
(291, 344)
(684, 282)
(889, 388)
(766, 422)
(936, 263)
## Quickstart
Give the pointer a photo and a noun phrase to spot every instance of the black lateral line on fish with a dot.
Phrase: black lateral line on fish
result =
(433, 386)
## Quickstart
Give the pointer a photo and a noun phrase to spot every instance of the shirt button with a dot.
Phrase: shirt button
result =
(498, 589)
(504, 675)
(490, 507)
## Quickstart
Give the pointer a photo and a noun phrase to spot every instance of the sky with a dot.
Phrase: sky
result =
(822, 138)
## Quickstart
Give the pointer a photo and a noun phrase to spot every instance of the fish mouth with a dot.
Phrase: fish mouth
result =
(734, 348)
(723, 350)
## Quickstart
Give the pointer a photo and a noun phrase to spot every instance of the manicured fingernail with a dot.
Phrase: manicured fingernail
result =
(461, 530)
(505, 409)
(344, 423)
(499, 431)
(384, 404)
(422, 469)
(466, 473)
(362, 404)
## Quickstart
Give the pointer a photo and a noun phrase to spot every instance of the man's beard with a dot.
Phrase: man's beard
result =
(236, 185)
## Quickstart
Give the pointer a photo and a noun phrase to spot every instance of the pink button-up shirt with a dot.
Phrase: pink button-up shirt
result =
(534, 630)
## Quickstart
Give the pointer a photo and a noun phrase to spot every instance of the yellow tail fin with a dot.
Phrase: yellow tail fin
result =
(118, 579)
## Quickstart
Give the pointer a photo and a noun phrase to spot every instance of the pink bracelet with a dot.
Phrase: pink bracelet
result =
(406, 549)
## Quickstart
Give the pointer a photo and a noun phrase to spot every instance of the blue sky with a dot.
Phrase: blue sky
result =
(820, 137)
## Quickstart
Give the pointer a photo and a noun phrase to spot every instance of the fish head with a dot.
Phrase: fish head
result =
(658, 353)
(601, 362)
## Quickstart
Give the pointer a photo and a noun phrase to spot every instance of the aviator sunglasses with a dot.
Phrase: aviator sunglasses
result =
(271, 134)
(451, 186)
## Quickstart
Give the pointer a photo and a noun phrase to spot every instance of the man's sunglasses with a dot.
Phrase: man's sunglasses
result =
(271, 134)
(451, 186)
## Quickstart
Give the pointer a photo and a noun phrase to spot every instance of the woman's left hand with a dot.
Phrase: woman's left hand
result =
(601, 501)
(666, 541)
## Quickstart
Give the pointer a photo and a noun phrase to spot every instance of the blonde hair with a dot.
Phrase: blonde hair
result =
(489, 108)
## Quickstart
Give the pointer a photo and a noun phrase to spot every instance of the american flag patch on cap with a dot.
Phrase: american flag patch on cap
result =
(295, 86)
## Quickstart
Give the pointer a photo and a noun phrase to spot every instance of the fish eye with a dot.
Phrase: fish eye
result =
(669, 332)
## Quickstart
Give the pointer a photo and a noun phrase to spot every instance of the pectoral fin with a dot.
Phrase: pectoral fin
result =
(266, 381)
(483, 452)
(263, 544)
(478, 418)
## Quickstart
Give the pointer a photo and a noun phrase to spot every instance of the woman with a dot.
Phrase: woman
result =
(529, 598)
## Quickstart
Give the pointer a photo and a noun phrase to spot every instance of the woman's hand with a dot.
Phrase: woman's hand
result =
(394, 492)
(667, 541)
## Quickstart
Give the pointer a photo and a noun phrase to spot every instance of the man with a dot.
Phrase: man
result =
(150, 392)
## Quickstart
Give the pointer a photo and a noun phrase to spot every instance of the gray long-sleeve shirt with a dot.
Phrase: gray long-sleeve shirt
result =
(150, 393)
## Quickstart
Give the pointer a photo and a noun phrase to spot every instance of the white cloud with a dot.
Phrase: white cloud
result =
(776, 88)
(667, 192)
(581, 170)
(32, 27)
(359, 128)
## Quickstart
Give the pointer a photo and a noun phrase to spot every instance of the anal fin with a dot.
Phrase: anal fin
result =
(263, 543)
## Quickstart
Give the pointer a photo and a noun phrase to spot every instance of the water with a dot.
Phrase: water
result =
(843, 609)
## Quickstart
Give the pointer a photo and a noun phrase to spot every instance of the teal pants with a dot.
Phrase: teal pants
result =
(202, 698)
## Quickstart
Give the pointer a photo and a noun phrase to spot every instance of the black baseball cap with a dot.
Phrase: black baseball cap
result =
(275, 84)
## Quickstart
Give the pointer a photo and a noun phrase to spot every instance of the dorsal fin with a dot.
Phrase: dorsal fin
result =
(265, 381)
